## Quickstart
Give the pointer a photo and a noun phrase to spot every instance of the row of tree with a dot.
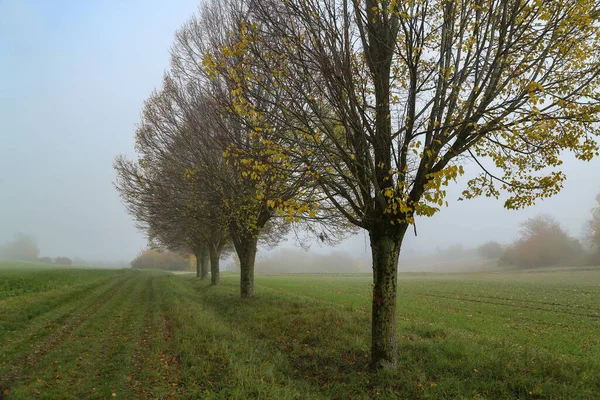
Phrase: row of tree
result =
(348, 113)
(543, 242)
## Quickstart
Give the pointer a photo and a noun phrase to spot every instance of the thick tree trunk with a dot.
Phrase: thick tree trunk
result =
(245, 240)
(246, 251)
(201, 263)
(385, 249)
(205, 262)
(215, 254)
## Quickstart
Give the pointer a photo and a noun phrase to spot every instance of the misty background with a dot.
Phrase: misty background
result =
(73, 78)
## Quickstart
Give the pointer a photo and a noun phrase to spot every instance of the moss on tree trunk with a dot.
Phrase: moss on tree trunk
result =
(385, 248)
(198, 264)
(215, 254)
(205, 262)
(246, 250)
(202, 261)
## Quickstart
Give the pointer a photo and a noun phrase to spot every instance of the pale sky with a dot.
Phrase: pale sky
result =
(73, 78)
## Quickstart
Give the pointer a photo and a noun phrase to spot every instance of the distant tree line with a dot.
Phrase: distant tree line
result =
(24, 248)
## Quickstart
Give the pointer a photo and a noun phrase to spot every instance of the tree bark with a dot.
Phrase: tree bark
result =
(246, 251)
(198, 255)
(245, 241)
(215, 254)
(385, 249)
(204, 261)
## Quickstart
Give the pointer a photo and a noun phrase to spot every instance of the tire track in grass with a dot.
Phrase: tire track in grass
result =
(24, 313)
(92, 361)
(49, 323)
(28, 356)
(122, 350)
(517, 306)
(156, 368)
(508, 299)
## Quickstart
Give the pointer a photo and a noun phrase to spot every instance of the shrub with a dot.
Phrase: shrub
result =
(62, 261)
(157, 259)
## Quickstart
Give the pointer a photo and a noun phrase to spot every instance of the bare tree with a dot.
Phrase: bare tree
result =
(166, 190)
(387, 101)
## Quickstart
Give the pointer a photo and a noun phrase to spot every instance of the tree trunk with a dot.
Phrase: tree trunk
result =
(205, 261)
(198, 255)
(245, 248)
(201, 263)
(215, 254)
(385, 249)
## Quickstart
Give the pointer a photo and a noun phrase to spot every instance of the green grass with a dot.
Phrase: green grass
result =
(128, 334)
(18, 279)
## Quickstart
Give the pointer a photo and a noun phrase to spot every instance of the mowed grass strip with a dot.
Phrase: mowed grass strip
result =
(153, 335)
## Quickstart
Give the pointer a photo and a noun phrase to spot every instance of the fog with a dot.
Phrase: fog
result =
(73, 78)
(292, 260)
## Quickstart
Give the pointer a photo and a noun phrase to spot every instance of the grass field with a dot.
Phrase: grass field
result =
(77, 333)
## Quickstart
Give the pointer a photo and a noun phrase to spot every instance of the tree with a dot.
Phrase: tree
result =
(543, 243)
(592, 232)
(21, 248)
(386, 102)
(491, 250)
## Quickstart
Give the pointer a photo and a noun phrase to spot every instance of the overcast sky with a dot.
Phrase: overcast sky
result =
(73, 77)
